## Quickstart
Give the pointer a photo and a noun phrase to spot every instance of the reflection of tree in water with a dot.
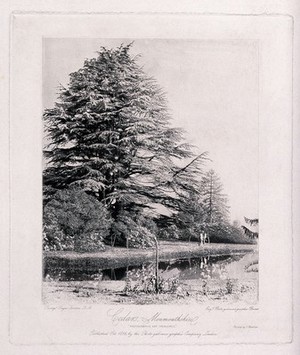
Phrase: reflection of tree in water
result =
(185, 269)
(198, 268)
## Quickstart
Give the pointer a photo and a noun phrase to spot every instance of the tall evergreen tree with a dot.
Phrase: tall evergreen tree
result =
(190, 219)
(109, 133)
(214, 201)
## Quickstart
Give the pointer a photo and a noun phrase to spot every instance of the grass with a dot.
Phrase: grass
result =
(122, 257)
(68, 293)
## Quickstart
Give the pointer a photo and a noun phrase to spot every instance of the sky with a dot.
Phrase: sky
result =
(212, 92)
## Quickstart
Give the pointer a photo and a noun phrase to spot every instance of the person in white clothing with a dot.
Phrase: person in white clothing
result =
(206, 238)
(201, 238)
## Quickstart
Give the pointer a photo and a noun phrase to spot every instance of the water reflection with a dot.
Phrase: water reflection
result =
(205, 267)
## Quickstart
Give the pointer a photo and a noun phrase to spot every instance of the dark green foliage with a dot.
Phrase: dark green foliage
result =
(74, 220)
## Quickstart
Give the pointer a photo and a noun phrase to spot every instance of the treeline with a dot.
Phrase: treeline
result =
(116, 172)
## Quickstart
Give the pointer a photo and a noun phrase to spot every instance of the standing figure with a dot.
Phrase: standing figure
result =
(201, 238)
(206, 238)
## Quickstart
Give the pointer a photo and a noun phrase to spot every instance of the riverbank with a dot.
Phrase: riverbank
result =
(213, 273)
(79, 293)
(122, 257)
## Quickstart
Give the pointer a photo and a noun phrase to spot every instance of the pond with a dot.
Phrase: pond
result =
(213, 267)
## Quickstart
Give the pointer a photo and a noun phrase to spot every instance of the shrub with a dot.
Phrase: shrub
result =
(54, 237)
(89, 243)
(191, 233)
(143, 281)
(229, 286)
(169, 232)
(74, 220)
(147, 222)
(134, 231)
(227, 233)
(141, 238)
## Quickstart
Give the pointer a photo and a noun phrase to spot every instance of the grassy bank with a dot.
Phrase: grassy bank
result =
(72, 293)
(121, 257)
(240, 285)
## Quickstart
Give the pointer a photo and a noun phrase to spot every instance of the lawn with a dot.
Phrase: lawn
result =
(119, 257)
(75, 293)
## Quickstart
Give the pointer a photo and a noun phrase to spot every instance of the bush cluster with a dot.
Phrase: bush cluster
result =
(144, 281)
(135, 231)
(74, 220)
(227, 233)
(77, 221)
